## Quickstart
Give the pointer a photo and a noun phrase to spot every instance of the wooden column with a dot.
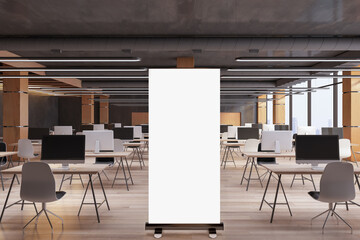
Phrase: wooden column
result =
(261, 109)
(15, 108)
(279, 110)
(351, 109)
(104, 110)
(185, 62)
(87, 110)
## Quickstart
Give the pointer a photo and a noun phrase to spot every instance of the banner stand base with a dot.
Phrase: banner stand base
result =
(158, 228)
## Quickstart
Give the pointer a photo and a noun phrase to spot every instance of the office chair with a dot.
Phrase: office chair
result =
(251, 145)
(345, 150)
(3, 162)
(265, 161)
(336, 185)
(38, 185)
(25, 150)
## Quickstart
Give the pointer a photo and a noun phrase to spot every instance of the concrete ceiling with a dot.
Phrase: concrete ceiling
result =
(24, 23)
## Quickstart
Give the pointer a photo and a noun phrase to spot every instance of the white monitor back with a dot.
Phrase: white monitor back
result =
(268, 127)
(137, 131)
(105, 138)
(248, 124)
(117, 125)
(98, 127)
(306, 130)
(270, 137)
(63, 130)
(232, 132)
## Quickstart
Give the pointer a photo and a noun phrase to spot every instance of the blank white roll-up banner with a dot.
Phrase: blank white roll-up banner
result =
(184, 150)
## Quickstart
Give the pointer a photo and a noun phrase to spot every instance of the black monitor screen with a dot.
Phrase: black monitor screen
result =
(223, 128)
(282, 127)
(63, 147)
(257, 125)
(145, 128)
(124, 133)
(317, 147)
(247, 133)
(332, 131)
(38, 133)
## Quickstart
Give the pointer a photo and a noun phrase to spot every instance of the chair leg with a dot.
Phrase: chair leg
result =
(48, 219)
(323, 228)
(62, 220)
(343, 221)
(2, 181)
(36, 216)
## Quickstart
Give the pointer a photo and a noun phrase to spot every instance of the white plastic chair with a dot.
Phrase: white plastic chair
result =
(251, 145)
(344, 148)
(336, 185)
(25, 149)
(38, 185)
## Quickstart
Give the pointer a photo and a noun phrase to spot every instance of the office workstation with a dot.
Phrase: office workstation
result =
(180, 120)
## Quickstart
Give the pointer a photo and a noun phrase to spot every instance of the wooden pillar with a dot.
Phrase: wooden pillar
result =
(351, 109)
(279, 110)
(87, 109)
(15, 108)
(261, 109)
(185, 62)
(104, 110)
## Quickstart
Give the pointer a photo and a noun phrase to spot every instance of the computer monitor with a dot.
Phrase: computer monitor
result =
(268, 127)
(145, 128)
(281, 127)
(257, 125)
(269, 140)
(64, 149)
(38, 133)
(305, 130)
(247, 133)
(124, 133)
(117, 125)
(137, 131)
(248, 124)
(317, 149)
(333, 131)
(223, 128)
(63, 130)
(98, 127)
(99, 140)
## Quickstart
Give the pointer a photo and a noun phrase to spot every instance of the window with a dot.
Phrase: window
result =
(269, 109)
(299, 108)
(287, 110)
(322, 104)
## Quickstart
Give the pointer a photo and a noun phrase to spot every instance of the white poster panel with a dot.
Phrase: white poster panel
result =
(184, 151)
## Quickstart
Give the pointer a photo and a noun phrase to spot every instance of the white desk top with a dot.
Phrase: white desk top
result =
(107, 154)
(269, 154)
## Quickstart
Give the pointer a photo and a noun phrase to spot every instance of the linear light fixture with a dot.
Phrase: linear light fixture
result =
(288, 76)
(127, 59)
(295, 59)
(65, 77)
(291, 69)
(74, 69)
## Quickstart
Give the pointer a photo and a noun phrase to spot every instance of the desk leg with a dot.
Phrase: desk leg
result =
(287, 203)
(223, 157)
(266, 188)
(352, 151)
(82, 202)
(247, 162)
(248, 180)
(128, 168)
(227, 149)
(124, 172)
(93, 193)
(357, 180)
(275, 199)
(107, 203)
(7, 197)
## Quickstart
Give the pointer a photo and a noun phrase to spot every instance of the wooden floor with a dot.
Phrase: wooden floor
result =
(239, 212)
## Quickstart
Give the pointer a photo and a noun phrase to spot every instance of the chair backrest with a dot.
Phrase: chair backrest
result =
(118, 145)
(344, 148)
(251, 145)
(337, 183)
(98, 126)
(3, 160)
(63, 130)
(37, 183)
(25, 148)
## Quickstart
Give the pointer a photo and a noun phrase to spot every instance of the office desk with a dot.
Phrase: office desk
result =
(136, 147)
(89, 169)
(251, 160)
(228, 147)
(122, 156)
(10, 162)
(281, 169)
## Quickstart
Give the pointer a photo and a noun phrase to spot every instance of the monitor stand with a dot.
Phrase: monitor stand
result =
(65, 166)
(277, 147)
(314, 166)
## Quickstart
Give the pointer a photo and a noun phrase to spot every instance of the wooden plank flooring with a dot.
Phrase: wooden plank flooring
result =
(239, 212)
